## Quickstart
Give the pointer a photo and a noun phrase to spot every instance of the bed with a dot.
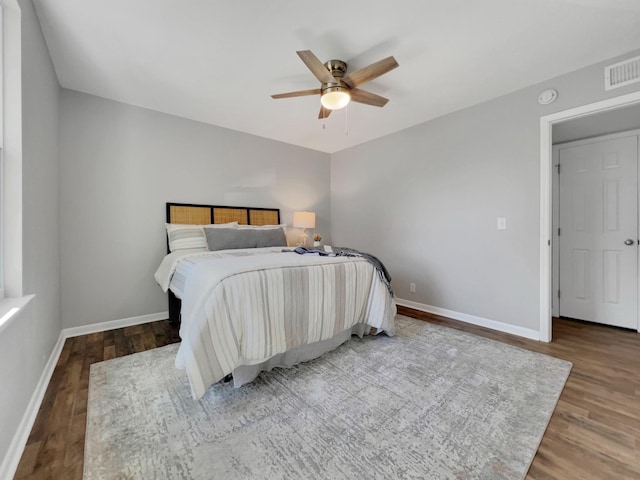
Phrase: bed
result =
(244, 305)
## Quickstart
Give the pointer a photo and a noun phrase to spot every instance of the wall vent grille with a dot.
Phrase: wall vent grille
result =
(622, 73)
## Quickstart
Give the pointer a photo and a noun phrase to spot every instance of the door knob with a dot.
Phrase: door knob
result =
(628, 241)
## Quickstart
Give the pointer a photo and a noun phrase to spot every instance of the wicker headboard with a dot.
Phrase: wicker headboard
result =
(186, 213)
(208, 214)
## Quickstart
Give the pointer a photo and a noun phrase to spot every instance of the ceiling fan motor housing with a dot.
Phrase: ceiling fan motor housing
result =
(338, 69)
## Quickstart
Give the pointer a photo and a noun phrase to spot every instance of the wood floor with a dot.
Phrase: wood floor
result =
(594, 432)
(55, 448)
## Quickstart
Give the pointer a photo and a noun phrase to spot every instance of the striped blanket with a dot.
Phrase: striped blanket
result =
(244, 310)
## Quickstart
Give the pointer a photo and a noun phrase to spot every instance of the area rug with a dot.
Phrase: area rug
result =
(429, 403)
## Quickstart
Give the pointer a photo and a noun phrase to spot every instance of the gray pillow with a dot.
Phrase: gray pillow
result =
(232, 238)
(228, 238)
(270, 237)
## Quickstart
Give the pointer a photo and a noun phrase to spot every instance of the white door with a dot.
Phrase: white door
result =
(599, 231)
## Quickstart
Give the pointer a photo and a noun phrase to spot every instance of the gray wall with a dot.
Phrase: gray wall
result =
(613, 121)
(28, 341)
(426, 200)
(120, 164)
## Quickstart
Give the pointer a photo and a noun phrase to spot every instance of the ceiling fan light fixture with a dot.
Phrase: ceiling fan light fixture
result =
(337, 87)
(335, 98)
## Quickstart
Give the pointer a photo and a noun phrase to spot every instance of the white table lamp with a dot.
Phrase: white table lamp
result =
(304, 220)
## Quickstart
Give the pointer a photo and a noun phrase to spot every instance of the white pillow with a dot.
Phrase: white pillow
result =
(183, 237)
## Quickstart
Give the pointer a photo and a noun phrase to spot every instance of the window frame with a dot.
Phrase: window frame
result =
(2, 176)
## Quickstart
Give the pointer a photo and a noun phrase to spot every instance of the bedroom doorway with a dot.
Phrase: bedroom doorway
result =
(547, 124)
(595, 228)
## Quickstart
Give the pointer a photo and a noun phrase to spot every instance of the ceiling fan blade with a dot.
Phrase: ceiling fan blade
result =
(316, 66)
(324, 112)
(368, 98)
(367, 74)
(299, 93)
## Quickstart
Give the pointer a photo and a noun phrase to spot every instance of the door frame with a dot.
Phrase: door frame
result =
(546, 192)
(555, 242)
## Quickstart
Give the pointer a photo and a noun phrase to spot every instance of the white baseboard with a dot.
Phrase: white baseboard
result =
(16, 447)
(14, 453)
(113, 324)
(474, 320)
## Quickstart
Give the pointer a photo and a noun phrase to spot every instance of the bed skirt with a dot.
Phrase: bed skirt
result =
(304, 353)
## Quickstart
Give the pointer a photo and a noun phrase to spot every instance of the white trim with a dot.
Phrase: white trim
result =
(16, 304)
(474, 320)
(1, 76)
(546, 172)
(1, 144)
(555, 222)
(546, 168)
(12, 232)
(16, 447)
(113, 324)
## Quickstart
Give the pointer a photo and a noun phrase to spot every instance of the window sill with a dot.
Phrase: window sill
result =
(10, 308)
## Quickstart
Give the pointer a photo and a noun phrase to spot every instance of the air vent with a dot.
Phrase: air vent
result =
(621, 74)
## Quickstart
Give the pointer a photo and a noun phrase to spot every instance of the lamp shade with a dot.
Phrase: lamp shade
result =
(335, 98)
(304, 219)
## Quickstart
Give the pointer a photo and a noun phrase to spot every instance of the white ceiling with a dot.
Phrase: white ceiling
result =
(219, 61)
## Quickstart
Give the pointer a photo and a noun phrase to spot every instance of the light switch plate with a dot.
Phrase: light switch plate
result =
(502, 223)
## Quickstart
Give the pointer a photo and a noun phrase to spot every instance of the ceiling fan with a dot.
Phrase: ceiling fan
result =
(338, 87)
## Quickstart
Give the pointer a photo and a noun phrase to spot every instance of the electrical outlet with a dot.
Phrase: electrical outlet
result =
(412, 287)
